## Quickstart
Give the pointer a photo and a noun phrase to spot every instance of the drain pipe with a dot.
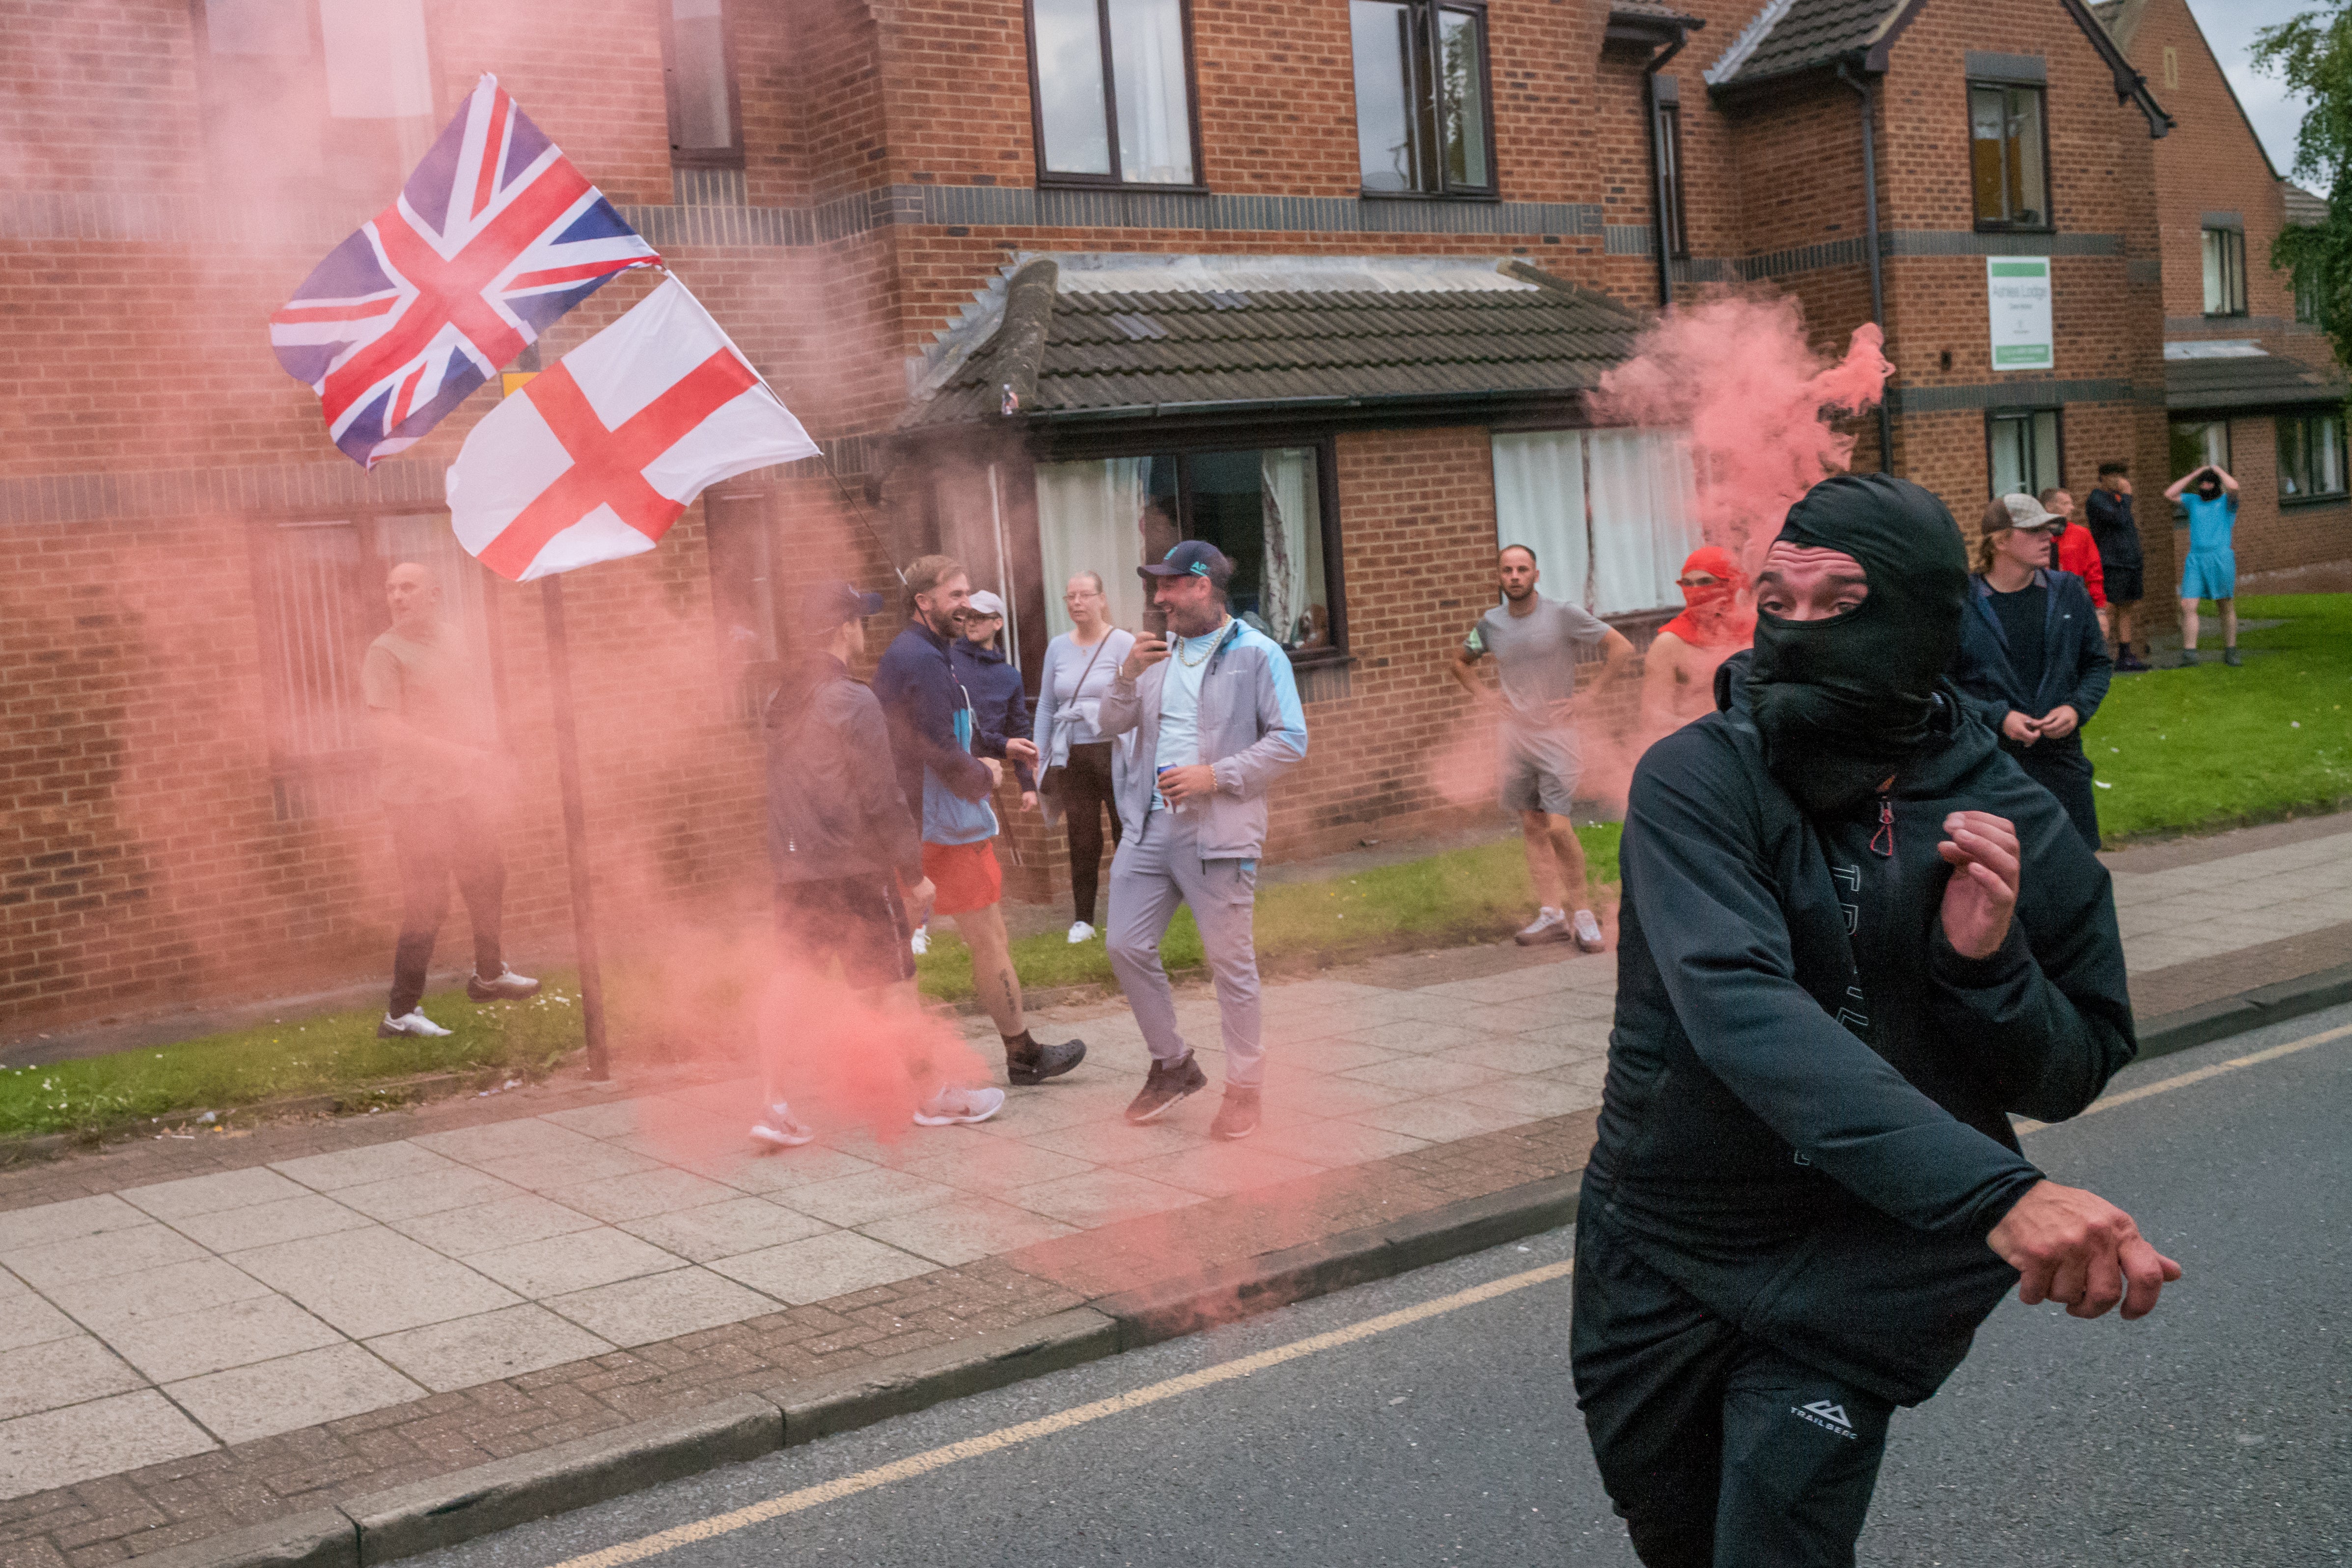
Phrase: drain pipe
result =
(1877, 275)
(1658, 167)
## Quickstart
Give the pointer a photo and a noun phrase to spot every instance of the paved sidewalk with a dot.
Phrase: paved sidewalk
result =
(201, 1333)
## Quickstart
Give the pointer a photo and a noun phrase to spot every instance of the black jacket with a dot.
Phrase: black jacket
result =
(2075, 665)
(1000, 706)
(1804, 1123)
(2112, 527)
(835, 807)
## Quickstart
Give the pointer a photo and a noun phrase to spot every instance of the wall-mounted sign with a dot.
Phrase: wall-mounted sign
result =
(2017, 291)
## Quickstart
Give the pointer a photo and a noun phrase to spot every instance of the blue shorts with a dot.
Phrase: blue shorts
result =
(2210, 574)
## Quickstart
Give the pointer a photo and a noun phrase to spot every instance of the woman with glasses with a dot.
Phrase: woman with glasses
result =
(1082, 767)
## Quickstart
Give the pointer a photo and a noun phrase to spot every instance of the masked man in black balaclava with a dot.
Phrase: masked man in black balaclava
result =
(1855, 938)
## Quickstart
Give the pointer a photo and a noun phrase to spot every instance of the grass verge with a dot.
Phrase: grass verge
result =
(2200, 749)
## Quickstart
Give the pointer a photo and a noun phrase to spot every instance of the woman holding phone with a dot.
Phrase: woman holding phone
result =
(1081, 767)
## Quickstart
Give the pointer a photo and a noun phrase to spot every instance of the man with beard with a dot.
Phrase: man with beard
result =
(1855, 938)
(2209, 570)
(1678, 671)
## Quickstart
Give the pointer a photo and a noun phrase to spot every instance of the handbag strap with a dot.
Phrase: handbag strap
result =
(1079, 690)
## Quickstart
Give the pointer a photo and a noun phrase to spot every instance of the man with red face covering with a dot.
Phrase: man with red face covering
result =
(1856, 939)
(1717, 621)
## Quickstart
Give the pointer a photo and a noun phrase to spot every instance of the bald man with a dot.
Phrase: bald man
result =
(438, 781)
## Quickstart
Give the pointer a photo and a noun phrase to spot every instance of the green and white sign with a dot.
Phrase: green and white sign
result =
(2017, 288)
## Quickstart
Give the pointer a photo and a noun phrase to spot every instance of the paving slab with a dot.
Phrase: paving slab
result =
(103, 1438)
(466, 1351)
(292, 1392)
(726, 1230)
(373, 1281)
(838, 1263)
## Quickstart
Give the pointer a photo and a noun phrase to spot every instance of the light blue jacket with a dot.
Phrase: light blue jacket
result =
(1252, 729)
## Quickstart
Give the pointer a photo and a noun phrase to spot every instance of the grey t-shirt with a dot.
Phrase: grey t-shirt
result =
(1536, 654)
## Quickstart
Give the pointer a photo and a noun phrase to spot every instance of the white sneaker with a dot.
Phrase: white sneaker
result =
(1548, 925)
(921, 942)
(778, 1128)
(950, 1107)
(1588, 932)
(1081, 932)
(410, 1025)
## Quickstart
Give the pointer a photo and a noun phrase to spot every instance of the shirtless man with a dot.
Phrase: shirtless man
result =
(1717, 621)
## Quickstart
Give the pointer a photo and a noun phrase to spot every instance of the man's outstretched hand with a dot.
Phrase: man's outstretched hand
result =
(1981, 895)
(2074, 1247)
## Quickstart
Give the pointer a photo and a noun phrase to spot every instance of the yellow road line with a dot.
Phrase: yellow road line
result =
(2182, 1081)
(1004, 1437)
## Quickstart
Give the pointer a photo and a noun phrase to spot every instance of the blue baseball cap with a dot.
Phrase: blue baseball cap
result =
(1194, 558)
(829, 604)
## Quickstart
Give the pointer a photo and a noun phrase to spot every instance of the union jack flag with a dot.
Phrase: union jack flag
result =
(494, 236)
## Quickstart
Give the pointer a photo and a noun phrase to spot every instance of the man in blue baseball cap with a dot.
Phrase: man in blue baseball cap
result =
(848, 858)
(1216, 709)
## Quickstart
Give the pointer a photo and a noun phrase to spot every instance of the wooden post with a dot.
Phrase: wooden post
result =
(575, 830)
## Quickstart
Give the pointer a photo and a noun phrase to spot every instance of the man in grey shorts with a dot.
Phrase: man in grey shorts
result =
(1533, 641)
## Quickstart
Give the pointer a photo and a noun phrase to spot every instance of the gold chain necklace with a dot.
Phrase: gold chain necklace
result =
(1195, 663)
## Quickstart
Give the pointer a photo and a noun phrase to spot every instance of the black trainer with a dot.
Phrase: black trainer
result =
(1169, 1082)
(1238, 1116)
(1031, 1062)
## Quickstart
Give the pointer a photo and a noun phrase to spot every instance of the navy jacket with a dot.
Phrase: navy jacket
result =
(920, 695)
(1000, 706)
(835, 809)
(1805, 1124)
(2075, 666)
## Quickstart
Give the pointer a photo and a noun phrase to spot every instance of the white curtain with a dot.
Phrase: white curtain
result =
(1644, 522)
(1086, 521)
(377, 68)
(1539, 503)
(1293, 575)
(1155, 119)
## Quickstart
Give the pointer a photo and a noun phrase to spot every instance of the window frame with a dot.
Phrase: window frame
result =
(1320, 440)
(2305, 418)
(2049, 223)
(1427, 12)
(1049, 181)
(2027, 414)
(683, 157)
(1669, 146)
(222, 172)
(2230, 274)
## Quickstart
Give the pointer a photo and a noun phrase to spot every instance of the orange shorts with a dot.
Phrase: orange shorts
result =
(966, 875)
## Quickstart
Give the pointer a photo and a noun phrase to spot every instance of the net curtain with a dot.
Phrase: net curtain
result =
(1155, 121)
(1293, 535)
(1086, 515)
(1610, 514)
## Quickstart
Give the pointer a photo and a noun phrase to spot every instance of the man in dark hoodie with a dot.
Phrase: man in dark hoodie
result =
(842, 841)
(1855, 938)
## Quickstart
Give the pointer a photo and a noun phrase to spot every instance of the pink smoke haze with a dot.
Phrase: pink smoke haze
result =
(1737, 373)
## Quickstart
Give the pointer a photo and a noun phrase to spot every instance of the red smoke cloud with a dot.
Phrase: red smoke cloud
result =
(1738, 373)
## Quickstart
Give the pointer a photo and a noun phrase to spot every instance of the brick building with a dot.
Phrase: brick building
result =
(1329, 283)
(2250, 380)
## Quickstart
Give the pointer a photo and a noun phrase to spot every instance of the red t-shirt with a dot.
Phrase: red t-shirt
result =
(2078, 552)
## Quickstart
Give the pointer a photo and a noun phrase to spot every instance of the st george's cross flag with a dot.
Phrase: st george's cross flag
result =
(599, 455)
(494, 236)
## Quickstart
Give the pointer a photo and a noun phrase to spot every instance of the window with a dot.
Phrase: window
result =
(2171, 66)
(1610, 514)
(2196, 442)
(1424, 124)
(319, 587)
(1112, 83)
(2310, 305)
(2021, 445)
(2310, 456)
(2225, 272)
(743, 596)
(1670, 180)
(1266, 509)
(2008, 161)
(705, 130)
(301, 94)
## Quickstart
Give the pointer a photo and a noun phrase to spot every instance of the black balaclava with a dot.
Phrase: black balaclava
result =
(1843, 703)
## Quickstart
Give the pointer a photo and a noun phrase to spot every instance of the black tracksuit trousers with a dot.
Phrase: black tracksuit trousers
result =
(1717, 1451)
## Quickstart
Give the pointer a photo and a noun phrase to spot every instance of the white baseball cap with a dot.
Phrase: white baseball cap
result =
(986, 603)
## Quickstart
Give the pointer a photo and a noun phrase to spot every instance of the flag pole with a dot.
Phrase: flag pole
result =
(575, 828)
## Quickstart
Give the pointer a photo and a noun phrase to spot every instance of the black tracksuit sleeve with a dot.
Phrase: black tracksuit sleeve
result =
(890, 826)
(1722, 946)
(2095, 668)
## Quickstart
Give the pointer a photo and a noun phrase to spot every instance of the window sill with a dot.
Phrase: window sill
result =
(2333, 498)
(1983, 227)
(1489, 198)
(692, 158)
(1067, 182)
(2225, 315)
